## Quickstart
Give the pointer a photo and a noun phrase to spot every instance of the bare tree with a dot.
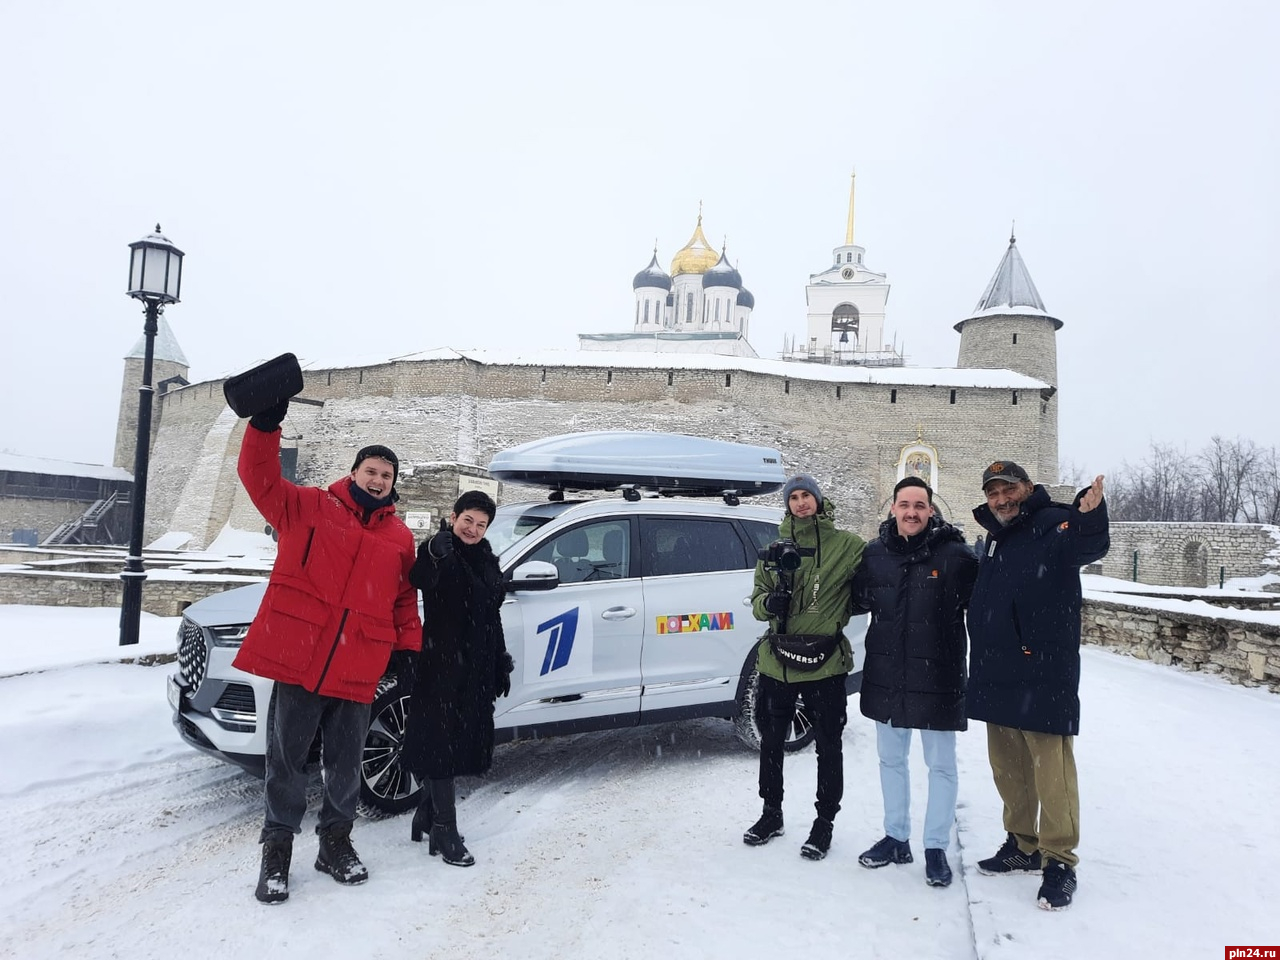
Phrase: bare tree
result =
(1262, 489)
(1225, 465)
(1161, 488)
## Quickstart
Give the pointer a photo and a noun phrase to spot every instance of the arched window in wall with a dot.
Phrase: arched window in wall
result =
(688, 314)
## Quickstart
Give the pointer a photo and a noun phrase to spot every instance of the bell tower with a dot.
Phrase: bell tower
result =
(846, 304)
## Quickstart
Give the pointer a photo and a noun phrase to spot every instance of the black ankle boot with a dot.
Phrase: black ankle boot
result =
(446, 842)
(422, 817)
(445, 839)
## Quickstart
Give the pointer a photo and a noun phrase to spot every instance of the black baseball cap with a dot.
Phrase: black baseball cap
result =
(1005, 470)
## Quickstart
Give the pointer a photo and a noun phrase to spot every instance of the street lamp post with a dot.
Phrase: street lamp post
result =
(155, 278)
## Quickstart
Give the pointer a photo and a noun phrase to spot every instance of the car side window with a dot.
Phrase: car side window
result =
(674, 546)
(593, 551)
(762, 534)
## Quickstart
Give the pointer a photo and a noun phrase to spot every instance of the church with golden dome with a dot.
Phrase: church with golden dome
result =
(701, 306)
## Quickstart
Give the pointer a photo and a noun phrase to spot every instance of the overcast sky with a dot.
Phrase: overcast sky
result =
(379, 179)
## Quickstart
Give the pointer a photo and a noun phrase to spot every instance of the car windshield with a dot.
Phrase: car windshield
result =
(514, 523)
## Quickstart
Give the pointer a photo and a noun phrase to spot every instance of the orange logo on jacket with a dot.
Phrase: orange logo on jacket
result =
(1063, 525)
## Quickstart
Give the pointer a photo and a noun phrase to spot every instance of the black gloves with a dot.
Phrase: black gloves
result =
(777, 604)
(502, 678)
(269, 419)
(404, 664)
(441, 545)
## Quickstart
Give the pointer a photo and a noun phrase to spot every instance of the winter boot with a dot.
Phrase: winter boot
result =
(886, 851)
(422, 817)
(819, 842)
(1058, 886)
(273, 877)
(338, 858)
(1010, 860)
(765, 829)
(445, 839)
(937, 872)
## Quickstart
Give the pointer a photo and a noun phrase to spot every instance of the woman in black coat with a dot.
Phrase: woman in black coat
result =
(463, 667)
(915, 580)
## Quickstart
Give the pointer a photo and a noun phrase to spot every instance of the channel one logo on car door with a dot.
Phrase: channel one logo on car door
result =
(578, 647)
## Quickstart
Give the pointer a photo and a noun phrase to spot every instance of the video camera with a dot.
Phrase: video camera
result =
(783, 554)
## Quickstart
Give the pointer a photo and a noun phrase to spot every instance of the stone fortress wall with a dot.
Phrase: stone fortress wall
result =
(1191, 554)
(456, 410)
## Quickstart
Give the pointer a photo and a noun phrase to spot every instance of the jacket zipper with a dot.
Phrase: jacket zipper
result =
(306, 552)
(332, 650)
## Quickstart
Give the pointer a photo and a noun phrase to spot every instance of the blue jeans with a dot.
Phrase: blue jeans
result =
(893, 745)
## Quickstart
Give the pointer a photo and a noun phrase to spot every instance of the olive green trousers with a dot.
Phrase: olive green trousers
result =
(1035, 775)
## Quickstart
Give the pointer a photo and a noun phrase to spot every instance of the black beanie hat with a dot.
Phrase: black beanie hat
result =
(382, 453)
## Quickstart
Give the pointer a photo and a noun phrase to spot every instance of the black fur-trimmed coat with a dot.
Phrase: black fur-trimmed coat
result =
(463, 660)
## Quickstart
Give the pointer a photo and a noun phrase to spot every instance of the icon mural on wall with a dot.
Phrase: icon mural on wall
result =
(919, 459)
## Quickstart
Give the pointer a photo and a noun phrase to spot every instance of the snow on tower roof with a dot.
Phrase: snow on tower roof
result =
(1011, 290)
(166, 346)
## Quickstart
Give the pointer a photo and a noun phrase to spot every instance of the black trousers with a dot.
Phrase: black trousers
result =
(296, 716)
(826, 703)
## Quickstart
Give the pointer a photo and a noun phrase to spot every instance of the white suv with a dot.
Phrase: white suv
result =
(618, 613)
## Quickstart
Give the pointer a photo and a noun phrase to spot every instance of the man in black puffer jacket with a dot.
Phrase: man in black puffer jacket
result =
(1024, 632)
(915, 580)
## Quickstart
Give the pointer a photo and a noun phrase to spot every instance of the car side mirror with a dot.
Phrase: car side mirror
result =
(534, 575)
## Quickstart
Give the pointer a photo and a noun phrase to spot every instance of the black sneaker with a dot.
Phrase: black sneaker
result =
(885, 852)
(1009, 860)
(819, 842)
(1057, 887)
(338, 858)
(273, 876)
(765, 829)
(937, 872)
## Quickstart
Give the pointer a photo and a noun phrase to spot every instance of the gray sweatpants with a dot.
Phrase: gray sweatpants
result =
(294, 717)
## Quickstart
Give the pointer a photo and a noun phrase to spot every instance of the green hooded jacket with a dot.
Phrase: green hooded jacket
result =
(821, 598)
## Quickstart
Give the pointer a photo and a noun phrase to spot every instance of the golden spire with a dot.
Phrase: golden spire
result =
(848, 230)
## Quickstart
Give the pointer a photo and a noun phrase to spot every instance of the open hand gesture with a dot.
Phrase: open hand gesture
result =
(1093, 496)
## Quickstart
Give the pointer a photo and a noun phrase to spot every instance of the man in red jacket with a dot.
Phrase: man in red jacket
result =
(338, 604)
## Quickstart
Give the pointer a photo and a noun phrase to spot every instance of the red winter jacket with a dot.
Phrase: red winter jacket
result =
(339, 600)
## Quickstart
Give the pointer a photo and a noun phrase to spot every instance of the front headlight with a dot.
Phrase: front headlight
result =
(230, 636)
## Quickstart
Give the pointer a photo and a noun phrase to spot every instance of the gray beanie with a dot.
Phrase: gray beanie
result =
(801, 481)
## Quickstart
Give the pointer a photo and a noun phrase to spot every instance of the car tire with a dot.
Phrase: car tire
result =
(799, 735)
(385, 786)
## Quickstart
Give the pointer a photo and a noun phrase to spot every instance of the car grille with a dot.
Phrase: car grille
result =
(193, 655)
(236, 709)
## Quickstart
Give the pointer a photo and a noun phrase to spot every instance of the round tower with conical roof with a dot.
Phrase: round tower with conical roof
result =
(169, 368)
(1010, 329)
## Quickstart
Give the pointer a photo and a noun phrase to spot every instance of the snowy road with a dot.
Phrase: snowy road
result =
(124, 843)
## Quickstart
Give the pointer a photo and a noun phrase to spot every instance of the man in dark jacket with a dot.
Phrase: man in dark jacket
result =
(338, 603)
(1024, 662)
(915, 580)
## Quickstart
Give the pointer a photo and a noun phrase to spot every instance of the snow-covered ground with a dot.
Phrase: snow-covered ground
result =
(122, 842)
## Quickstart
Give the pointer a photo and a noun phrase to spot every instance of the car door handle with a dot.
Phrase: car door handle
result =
(618, 613)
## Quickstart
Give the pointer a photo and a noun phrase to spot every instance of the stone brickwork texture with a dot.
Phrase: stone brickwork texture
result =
(459, 411)
(1191, 554)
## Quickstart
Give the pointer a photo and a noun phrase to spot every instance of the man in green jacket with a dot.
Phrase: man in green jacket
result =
(803, 591)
